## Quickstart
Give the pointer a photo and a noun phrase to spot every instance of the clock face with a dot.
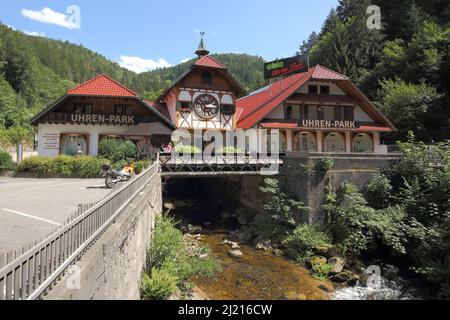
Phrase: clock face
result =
(206, 106)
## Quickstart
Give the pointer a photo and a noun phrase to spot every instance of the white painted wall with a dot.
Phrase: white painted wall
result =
(361, 115)
(94, 131)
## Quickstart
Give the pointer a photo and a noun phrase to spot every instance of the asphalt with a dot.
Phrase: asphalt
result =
(32, 208)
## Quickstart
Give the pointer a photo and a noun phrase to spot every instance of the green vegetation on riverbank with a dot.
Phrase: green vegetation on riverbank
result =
(172, 263)
(405, 211)
(403, 214)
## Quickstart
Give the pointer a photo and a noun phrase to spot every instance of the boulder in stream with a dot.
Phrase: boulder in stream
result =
(337, 263)
(236, 253)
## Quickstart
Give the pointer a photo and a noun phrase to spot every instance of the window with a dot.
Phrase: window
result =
(305, 112)
(73, 144)
(334, 142)
(185, 105)
(118, 109)
(207, 78)
(362, 142)
(312, 89)
(324, 90)
(348, 114)
(77, 108)
(305, 142)
(88, 108)
(320, 113)
(129, 110)
(289, 112)
(338, 113)
(312, 113)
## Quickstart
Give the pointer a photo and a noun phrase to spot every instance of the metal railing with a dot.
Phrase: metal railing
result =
(234, 162)
(29, 273)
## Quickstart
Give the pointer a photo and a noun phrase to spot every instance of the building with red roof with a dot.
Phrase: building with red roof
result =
(316, 111)
(100, 108)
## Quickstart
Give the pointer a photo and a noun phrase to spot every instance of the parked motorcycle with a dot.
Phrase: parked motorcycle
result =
(113, 177)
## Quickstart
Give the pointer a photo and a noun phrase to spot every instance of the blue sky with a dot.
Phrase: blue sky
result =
(143, 35)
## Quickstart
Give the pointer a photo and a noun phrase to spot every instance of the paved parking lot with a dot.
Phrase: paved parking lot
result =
(32, 208)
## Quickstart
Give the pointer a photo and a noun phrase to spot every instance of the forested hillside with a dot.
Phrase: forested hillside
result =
(404, 67)
(35, 71)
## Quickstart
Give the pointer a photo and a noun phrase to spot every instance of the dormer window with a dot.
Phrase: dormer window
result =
(324, 90)
(207, 78)
(313, 89)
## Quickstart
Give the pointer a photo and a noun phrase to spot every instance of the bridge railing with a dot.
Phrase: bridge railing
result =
(231, 162)
(29, 273)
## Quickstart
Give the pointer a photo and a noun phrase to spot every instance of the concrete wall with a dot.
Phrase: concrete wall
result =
(112, 266)
(309, 185)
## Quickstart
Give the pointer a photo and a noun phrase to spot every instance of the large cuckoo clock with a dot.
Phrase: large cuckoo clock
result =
(206, 106)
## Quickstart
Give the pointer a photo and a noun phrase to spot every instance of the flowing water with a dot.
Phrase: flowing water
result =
(260, 274)
(384, 290)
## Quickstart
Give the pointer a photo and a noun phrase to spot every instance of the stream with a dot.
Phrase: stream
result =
(261, 274)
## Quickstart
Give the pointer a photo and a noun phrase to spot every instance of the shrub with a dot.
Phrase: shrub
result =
(140, 166)
(117, 150)
(79, 167)
(359, 227)
(169, 252)
(281, 209)
(6, 162)
(187, 149)
(231, 150)
(88, 167)
(159, 286)
(167, 241)
(320, 271)
(304, 240)
(325, 164)
(378, 191)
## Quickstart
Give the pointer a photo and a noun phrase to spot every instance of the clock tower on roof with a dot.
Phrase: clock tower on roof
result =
(204, 97)
(202, 51)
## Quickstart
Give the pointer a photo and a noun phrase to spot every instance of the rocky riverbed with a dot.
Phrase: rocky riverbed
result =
(253, 269)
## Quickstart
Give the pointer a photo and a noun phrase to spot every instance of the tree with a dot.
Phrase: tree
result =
(281, 207)
(306, 46)
(407, 106)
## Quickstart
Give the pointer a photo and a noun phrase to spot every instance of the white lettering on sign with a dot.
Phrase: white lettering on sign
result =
(101, 119)
(50, 141)
(327, 124)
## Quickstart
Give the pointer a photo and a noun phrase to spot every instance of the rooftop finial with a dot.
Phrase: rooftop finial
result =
(202, 51)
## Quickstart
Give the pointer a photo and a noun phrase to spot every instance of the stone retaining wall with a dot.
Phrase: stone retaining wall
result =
(112, 266)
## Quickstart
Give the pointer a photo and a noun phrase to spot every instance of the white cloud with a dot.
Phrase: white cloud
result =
(140, 65)
(34, 33)
(185, 60)
(49, 16)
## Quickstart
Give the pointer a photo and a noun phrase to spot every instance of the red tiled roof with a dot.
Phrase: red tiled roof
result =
(375, 128)
(254, 107)
(276, 125)
(160, 107)
(210, 62)
(322, 73)
(102, 85)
